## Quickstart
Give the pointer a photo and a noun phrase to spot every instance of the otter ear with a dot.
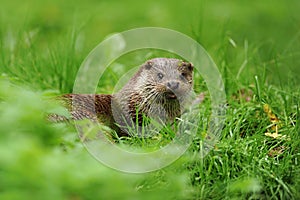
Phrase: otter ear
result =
(148, 65)
(191, 67)
(188, 65)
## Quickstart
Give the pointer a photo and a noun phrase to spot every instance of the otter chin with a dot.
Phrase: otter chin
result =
(159, 90)
(170, 95)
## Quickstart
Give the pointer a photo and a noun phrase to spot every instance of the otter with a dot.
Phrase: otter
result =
(158, 90)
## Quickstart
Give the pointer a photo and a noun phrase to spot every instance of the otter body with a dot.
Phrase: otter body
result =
(158, 90)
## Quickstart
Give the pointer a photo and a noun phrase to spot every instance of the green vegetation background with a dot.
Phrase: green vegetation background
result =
(42, 44)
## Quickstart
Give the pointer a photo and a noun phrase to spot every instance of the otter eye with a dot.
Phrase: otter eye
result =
(160, 75)
(183, 75)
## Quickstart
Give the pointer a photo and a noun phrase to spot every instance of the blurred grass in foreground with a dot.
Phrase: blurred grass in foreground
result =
(39, 160)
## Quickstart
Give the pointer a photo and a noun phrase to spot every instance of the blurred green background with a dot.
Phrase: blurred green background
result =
(264, 34)
(42, 44)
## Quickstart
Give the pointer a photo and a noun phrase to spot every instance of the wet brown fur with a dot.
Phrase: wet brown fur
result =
(133, 95)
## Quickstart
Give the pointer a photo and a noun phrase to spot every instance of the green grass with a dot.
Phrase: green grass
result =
(256, 46)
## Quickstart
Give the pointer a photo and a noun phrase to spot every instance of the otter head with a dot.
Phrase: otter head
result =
(166, 78)
(158, 91)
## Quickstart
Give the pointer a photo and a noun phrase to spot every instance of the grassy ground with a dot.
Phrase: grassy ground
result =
(256, 46)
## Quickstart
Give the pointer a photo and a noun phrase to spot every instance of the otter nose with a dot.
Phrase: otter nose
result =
(173, 85)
